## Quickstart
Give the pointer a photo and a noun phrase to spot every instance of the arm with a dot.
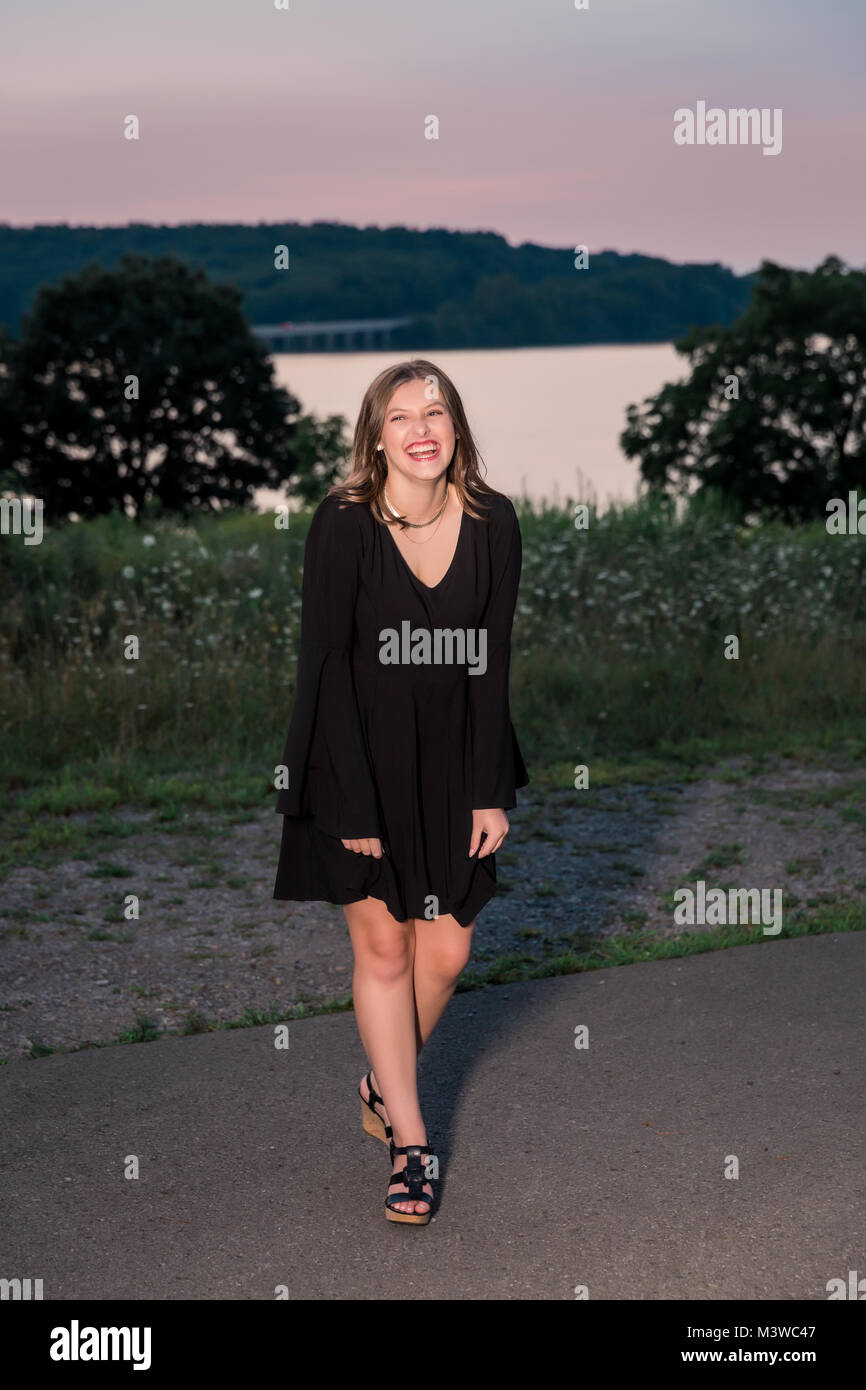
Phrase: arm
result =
(330, 778)
(497, 765)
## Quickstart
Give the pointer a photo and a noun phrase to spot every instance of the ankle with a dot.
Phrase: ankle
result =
(401, 1143)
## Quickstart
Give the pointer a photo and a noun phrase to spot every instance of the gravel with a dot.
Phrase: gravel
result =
(210, 941)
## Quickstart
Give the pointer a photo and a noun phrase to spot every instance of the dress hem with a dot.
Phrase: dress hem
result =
(316, 881)
(347, 902)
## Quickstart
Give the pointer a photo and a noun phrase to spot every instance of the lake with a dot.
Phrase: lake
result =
(546, 420)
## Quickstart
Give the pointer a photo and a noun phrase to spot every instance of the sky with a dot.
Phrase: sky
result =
(556, 125)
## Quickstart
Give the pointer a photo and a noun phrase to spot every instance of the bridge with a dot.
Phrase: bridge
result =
(347, 335)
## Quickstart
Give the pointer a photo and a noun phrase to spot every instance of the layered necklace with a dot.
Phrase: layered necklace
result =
(420, 525)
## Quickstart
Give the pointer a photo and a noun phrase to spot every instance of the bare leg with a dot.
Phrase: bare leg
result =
(442, 950)
(405, 973)
(383, 993)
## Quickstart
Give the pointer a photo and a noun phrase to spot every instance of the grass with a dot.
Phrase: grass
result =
(631, 948)
(617, 657)
(617, 667)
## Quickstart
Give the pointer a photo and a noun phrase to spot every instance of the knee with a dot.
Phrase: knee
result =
(387, 955)
(448, 958)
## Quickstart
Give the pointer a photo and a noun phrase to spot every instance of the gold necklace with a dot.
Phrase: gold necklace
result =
(420, 544)
(420, 525)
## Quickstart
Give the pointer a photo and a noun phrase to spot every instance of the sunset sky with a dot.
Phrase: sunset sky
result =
(556, 125)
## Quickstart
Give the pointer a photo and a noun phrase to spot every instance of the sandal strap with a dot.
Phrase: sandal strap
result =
(392, 1200)
(374, 1100)
(414, 1180)
(414, 1173)
(401, 1178)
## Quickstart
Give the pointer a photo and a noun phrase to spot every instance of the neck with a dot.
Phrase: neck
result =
(416, 498)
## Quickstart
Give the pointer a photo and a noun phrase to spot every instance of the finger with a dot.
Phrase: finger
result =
(492, 846)
(353, 845)
(477, 832)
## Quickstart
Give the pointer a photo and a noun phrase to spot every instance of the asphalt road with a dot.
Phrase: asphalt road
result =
(602, 1167)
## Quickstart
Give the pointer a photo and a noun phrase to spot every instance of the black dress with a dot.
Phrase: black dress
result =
(405, 750)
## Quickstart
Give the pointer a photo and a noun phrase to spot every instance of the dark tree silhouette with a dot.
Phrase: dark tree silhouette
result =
(773, 414)
(143, 383)
(463, 289)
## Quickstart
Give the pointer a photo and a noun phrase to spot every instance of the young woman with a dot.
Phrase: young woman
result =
(401, 756)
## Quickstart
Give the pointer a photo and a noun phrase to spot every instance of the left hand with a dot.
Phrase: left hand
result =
(494, 823)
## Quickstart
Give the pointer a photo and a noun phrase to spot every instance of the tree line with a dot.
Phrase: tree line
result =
(462, 289)
(141, 387)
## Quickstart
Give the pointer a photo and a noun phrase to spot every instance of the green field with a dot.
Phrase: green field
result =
(618, 652)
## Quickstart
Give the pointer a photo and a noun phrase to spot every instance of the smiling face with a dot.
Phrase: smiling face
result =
(417, 433)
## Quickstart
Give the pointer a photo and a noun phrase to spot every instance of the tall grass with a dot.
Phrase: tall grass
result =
(618, 643)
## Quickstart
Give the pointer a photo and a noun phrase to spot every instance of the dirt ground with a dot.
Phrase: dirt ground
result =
(212, 941)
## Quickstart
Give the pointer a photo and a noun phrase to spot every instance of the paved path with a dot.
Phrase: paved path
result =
(563, 1167)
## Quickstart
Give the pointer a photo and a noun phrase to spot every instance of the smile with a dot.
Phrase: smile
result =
(423, 451)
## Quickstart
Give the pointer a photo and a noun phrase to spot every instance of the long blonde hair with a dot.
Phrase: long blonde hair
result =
(366, 481)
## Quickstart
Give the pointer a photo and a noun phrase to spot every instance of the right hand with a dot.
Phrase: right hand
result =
(373, 847)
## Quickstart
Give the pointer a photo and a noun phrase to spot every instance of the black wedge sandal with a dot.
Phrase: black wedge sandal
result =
(370, 1117)
(412, 1177)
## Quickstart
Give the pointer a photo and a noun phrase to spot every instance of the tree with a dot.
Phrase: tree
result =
(773, 414)
(144, 383)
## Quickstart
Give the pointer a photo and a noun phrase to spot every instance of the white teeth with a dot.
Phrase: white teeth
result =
(426, 449)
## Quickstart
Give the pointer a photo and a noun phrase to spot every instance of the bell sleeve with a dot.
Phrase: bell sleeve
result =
(497, 765)
(329, 773)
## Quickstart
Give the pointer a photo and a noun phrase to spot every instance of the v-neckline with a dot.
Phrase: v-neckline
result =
(431, 588)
